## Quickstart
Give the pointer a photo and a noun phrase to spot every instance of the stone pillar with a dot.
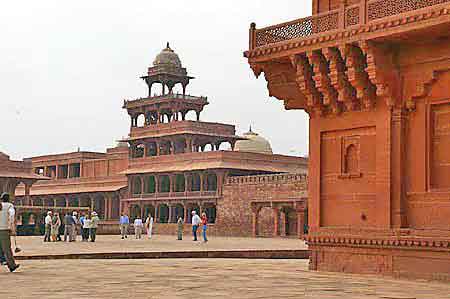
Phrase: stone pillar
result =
(201, 181)
(156, 213)
(169, 220)
(185, 209)
(27, 194)
(300, 222)
(171, 183)
(142, 184)
(283, 219)
(275, 212)
(156, 184)
(157, 148)
(254, 222)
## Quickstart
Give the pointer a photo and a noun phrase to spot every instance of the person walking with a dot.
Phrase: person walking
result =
(94, 225)
(7, 227)
(48, 226)
(195, 223)
(124, 223)
(149, 225)
(86, 227)
(180, 223)
(68, 225)
(138, 226)
(205, 226)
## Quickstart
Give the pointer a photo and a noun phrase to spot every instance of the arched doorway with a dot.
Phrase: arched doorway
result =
(163, 213)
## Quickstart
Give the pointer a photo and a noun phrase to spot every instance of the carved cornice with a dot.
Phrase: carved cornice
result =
(378, 242)
(376, 26)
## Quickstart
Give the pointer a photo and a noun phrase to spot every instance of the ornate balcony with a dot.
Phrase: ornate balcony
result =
(347, 17)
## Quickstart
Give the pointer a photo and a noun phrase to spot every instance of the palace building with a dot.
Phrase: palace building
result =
(374, 77)
(170, 165)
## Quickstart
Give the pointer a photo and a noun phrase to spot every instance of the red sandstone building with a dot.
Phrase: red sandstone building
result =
(173, 166)
(374, 77)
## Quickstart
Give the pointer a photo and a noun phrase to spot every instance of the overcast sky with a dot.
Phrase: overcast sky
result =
(66, 66)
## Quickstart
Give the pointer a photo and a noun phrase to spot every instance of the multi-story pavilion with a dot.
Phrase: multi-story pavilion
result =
(178, 165)
(374, 77)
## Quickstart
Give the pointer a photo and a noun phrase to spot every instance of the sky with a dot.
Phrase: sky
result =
(67, 66)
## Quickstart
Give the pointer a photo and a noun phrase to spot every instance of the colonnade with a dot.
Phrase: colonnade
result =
(176, 145)
(169, 212)
(175, 183)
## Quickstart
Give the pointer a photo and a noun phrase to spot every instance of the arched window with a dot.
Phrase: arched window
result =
(136, 186)
(164, 183)
(139, 151)
(163, 213)
(140, 120)
(195, 182)
(150, 186)
(179, 183)
(351, 159)
(211, 182)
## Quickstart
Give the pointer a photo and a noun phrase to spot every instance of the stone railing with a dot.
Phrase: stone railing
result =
(270, 178)
(338, 19)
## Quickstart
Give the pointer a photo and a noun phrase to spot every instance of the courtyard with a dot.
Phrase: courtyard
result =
(193, 278)
(188, 277)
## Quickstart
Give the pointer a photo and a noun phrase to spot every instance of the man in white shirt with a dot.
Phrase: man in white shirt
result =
(195, 223)
(138, 226)
(48, 226)
(7, 225)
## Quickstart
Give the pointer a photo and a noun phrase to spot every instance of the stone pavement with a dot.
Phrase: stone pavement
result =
(201, 278)
(110, 244)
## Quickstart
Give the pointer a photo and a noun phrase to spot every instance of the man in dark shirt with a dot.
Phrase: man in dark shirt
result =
(69, 223)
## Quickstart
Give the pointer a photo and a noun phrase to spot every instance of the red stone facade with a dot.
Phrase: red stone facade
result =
(263, 206)
(374, 77)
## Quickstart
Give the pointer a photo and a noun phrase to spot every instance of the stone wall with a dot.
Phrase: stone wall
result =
(234, 209)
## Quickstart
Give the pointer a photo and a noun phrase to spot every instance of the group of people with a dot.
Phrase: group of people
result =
(140, 226)
(87, 224)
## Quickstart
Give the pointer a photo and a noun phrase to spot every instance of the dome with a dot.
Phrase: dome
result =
(253, 144)
(167, 57)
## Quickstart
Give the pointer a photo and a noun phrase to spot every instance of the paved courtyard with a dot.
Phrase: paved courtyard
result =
(200, 278)
(109, 244)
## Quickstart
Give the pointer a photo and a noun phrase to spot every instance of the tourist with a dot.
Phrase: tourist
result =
(86, 227)
(180, 223)
(81, 221)
(124, 222)
(94, 225)
(48, 226)
(74, 226)
(7, 227)
(149, 225)
(205, 226)
(138, 226)
(68, 226)
(195, 223)
(54, 229)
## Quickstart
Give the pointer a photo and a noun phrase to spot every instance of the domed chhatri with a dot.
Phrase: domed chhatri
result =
(167, 57)
(168, 71)
(254, 144)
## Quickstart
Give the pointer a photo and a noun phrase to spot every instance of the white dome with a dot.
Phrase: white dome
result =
(254, 144)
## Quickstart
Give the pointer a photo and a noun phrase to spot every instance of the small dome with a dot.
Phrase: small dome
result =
(167, 57)
(253, 144)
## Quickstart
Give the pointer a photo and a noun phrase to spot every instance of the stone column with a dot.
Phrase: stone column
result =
(255, 221)
(171, 183)
(142, 184)
(275, 212)
(157, 147)
(185, 209)
(300, 222)
(27, 194)
(283, 220)
(201, 181)
(156, 184)
(156, 213)
(169, 220)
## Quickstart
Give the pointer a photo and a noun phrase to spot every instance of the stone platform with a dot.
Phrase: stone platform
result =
(162, 246)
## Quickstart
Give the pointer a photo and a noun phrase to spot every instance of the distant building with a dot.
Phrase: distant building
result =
(169, 166)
